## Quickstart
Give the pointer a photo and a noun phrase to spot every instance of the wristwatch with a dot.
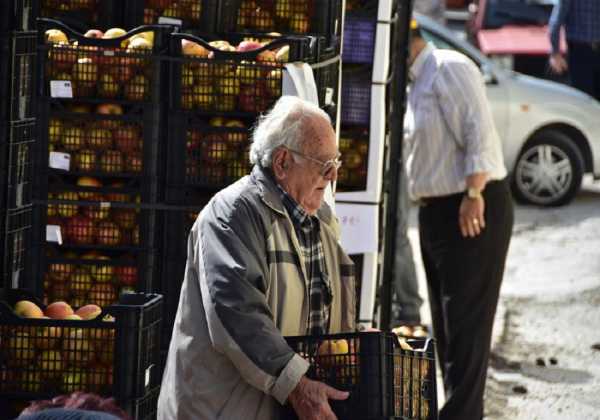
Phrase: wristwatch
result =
(473, 193)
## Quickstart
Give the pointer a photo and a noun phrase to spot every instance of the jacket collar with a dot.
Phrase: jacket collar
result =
(271, 196)
(417, 65)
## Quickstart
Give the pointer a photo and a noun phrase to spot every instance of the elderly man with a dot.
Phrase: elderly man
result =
(263, 262)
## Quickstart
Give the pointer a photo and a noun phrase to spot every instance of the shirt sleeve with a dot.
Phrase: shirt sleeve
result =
(460, 91)
(557, 20)
(233, 266)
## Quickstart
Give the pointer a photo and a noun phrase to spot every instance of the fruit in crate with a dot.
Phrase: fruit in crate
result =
(117, 197)
(149, 36)
(20, 349)
(80, 282)
(74, 379)
(128, 138)
(116, 33)
(80, 230)
(54, 130)
(67, 210)
(248, 45)
(273, 82)
(98, 137)
(352, 159)
(109, 109)
(125, 218)
(283, 54)
(215, 149)
(89, 311)
(94, 33)
(73, 138)
(187, 76)
(55, 36)
(29, 380)
(50, 363)
(76, 348)
(137, 88)
(111, 161)
(89, 182)
(203, 96)
(108, 233)
(127, 275)
(96, 213)
(58, 310)
(191, 48)
(138, 50)
(27, 309)
(103, 294)
(84, 160)
(248, 72)
(134, 162)
(46, 338)
(59, 272)
(108, 87)
(283, 9)
(99, 272)
(228, 84)
(85, 72)
(299, 23)
(253, 99)
(62, 57)
(236, 137)
(60, 290)
(225, 103)
(261, 19)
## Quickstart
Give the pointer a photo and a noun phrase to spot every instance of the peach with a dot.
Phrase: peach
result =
(90, 311)
(59, 310)
(28, 309)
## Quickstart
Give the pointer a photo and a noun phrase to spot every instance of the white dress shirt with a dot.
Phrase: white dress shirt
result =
(448, 126)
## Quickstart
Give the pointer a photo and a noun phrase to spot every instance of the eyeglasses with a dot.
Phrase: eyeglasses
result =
(327, 167)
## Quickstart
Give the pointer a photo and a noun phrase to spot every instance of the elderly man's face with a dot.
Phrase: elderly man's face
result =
(305, 181)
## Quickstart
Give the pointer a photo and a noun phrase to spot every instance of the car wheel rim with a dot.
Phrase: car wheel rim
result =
(544, 174)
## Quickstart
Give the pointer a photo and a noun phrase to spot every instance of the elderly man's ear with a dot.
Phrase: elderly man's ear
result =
(280, 164)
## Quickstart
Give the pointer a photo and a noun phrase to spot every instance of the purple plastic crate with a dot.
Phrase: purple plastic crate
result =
(359, 39)
(356, 96)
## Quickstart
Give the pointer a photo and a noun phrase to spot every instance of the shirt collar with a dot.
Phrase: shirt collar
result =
(417, 65)
(298, 215)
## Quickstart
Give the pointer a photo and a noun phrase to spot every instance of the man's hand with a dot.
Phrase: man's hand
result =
(558, 64)
(470, 216)
(310, 400)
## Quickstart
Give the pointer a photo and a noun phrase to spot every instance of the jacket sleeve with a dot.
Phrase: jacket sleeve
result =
(232, 267)
(557, 20)
(460, 90)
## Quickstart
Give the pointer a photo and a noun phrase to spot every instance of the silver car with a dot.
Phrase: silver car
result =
(550, 132)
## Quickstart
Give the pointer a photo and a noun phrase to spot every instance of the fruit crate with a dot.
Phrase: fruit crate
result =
(354, 147)
(21, 147)
(42, 358)
(320, 18)
(356, 95)
(103, 148)
(17, 72)
(186, 14)
(17, 242)
(386, 378)
(359, 38)
(207, 153)
(126, 69)
(217, 78)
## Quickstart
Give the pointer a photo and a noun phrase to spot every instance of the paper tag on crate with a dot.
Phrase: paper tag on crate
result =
(59, 160)
(164, 20)
(148, 373)
(61, 89)
(53, 234)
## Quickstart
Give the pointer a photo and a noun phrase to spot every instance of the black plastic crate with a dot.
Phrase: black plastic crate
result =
(386, 379)
(211, 77)
(126, 70)
(17, 243)
(354, 147)
(87, 148)
(42, 358)
(21, 15)
(327, 79)
(311, 17)
(22, 141)
(208, 153)
(188, 14)
(356, 95)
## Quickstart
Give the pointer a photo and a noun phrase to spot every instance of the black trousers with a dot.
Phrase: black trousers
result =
(464, 277)
(584, 67)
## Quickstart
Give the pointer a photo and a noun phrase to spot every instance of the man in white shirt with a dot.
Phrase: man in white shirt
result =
(456, 172)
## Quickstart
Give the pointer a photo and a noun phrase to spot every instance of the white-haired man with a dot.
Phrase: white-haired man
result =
(263, 262)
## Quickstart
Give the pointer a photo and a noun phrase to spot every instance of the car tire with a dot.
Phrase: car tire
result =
(548, 171)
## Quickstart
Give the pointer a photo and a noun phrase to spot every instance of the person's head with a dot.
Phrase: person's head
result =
(417, 43)
(78, 401)
(297, 142)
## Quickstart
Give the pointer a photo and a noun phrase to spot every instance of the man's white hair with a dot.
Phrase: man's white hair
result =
(283, 125)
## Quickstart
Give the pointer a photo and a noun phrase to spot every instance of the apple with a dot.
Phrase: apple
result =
(299, 23)
(173, 11)
(263, 21)
(99, 138)
(215, 149)
(128, 138)
(108, 233)
(203, 73)
(267, 57)
(283, 54)
(27, 309)
(58, 310)
(85, 71)
(73, 138)
(67, 210)
(187, 76)
(80, 282)
(138, 48)
(80, 230)
(73, 379)
(203, 96)
(90, 311)
(77, 350)
(191, 48)
(62, 57)
(228, 84)
(127, 275)
(109, 109)
(253, 98)
(94, 33)
(248, 45)
(273, 83)
(149, 36)
(125, 218)
(20, 349)
(47, 338)
(330, 352)
(187, 99)
(111, 161)
(237, 136)
(59, 272)
(50, 363)
(116, 33)
(248, 72)
(137, 88)
(225, 103)
(103, 294)
(89, 182)
(99, 272)
(54, 130)
(55, 36)
(85, 160)
(283, 9)
(108, 87)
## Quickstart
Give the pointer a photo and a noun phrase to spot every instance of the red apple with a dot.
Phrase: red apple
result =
(128, 138)
(111, 161)
(94, 33)
(127, 275)
(249, 45)
(80, 230)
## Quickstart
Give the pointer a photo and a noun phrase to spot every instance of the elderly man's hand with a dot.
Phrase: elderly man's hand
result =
(310, 400)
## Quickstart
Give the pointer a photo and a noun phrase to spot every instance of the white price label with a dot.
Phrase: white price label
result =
(61, 89)
(164, 20)
(59, 160)
(53, 234)
(359, 225)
